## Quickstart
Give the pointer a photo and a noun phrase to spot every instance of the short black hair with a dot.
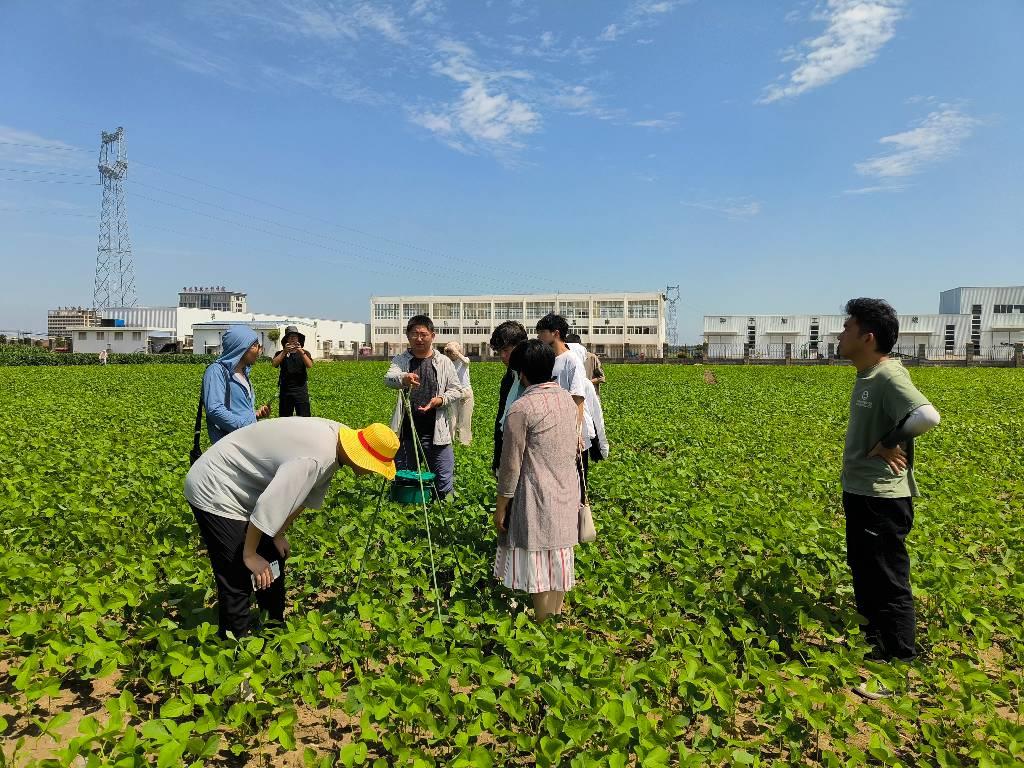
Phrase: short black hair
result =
(573, 338)
(554, 322)
(878, 317)
(507, 334)
(417, 320)
(533, 359)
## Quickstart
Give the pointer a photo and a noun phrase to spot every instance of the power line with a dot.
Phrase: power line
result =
(54, 181)
(362, 267)
(364, 233)
(259, 229)
(330, 238)
(54, 147)
(412, 246)
(504, 272)
(53, 173)
(48, 212)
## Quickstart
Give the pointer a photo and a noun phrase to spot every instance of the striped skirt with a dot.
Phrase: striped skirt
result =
(536, 571)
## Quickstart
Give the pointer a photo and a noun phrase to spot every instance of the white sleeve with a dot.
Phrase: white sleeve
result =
(921, 420)
(287, 491)
(917, 422)
(578, 380)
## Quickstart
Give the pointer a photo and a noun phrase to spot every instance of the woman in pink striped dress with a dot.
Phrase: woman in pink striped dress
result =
(537, 511)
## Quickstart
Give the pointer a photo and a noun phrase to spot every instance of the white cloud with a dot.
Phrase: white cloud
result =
(427, 10)
(27, 148)
(193, 58)
(935, 138)
(487, 115)
(380, 20)
(671, 120)
(876, 188)
(733, 208)
(313, 20)
(639, 14)
(577, 98)
(857, 30)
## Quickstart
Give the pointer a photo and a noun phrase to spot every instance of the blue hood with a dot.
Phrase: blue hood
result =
(234, 343)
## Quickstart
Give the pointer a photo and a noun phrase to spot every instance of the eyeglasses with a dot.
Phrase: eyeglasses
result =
(412, 335)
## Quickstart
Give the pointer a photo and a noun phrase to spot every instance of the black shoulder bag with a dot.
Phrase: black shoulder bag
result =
(196, 452)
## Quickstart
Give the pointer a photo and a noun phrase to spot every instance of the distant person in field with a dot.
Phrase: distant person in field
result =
(294, 363)
(103, 357)
(537, 509)
(228, 394)
(461, 412)
(505, 338)
(591, 362)
(248, 489)
(432, 385)
(886, 413)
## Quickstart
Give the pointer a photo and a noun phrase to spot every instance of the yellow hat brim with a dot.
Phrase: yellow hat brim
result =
(349, 439)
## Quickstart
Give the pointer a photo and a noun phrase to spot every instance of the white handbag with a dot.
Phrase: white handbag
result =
(587, 532)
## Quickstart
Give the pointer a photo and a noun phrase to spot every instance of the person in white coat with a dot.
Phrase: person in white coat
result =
(461, 410)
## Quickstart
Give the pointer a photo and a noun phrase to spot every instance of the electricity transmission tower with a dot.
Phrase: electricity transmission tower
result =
(114, 285)
(672, 315)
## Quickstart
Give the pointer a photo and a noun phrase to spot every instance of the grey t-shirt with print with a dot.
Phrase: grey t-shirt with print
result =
(882, 397)
(265, 471)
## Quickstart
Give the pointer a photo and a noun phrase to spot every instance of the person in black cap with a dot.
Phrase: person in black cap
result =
(294, 362)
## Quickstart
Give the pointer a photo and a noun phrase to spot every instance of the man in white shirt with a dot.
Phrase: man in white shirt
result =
(249, 487)
(568, 372)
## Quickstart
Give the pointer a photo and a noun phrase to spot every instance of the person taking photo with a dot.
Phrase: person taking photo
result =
(293, 363)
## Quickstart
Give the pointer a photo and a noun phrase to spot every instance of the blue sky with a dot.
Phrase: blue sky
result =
(766, 156)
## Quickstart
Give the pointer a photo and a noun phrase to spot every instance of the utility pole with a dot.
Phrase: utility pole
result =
(672, 315)
(114, 285)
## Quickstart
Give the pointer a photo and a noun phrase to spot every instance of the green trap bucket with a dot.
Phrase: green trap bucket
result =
(406, 487)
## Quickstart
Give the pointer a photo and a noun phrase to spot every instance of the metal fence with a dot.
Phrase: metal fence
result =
(997, 353)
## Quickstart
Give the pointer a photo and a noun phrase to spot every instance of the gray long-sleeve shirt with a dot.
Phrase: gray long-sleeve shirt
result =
(264, 472)
(448, 389)
(538, 470)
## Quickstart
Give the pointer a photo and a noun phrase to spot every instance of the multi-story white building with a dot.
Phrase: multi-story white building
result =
(61, 320)
(611, 324)
(982, 321)
(324, 338)
(217, 298)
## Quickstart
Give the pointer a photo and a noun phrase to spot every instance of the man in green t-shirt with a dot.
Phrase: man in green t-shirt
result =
(886, 413)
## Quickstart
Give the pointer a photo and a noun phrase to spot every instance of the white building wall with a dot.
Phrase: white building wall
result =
(726, 335)
(119, 340)
(341, 336)
(612, 324)
(990, 329)
(324, 338)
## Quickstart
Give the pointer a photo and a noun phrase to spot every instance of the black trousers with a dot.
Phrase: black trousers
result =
(225, 541)
(876, 532)
(289, 405)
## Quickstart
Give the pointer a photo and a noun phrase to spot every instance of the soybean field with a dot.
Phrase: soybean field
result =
(714, 621)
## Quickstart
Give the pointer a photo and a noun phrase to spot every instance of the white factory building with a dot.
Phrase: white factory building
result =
(120, 340)
(610, 324)
(199, 330)
(971, 321)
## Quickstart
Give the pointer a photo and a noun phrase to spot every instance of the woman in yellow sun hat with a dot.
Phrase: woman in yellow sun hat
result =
(249, 487)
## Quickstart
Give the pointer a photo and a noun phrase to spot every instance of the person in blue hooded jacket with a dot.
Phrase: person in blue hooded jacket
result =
(228, 395)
